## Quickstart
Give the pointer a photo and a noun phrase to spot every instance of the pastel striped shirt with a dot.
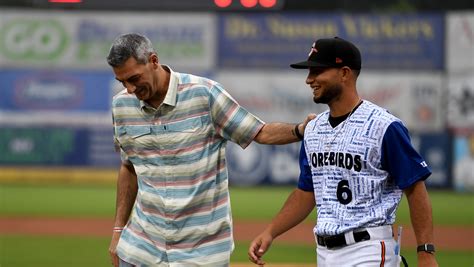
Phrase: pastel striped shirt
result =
(181, 215)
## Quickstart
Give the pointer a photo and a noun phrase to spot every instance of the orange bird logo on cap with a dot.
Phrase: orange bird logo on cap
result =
(338, 60)
(313, 49)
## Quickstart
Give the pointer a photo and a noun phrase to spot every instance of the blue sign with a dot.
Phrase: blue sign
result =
(436, 148)
(55, 90)
(404, 41)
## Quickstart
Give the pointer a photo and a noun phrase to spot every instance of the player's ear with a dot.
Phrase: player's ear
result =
(154, 59)
(346, 73)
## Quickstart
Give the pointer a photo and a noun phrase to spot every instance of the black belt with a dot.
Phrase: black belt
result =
(340, 240)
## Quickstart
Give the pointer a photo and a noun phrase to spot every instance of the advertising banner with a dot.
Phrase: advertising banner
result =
(460, 42)
(83, 39)
(461, 101)
(390, 41)
(31, 90)
(41, 146)
(263, 164)
(271, 95)
(416, 98)
(34, 97)
(463, 162)
(436, 149)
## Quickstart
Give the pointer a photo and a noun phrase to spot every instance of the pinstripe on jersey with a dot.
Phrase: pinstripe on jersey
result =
(182, 212)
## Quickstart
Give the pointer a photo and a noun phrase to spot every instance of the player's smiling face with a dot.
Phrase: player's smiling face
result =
(137, 78)
(325, 84)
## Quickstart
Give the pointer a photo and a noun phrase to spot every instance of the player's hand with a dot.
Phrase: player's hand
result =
(113, 249)
(258, 247)
(308, 118)
(426, 260)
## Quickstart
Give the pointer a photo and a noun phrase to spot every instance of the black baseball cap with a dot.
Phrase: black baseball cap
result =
(331, 52)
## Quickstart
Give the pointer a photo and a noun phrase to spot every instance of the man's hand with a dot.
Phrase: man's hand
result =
(302, 125)
(113, 248)
(258, 247)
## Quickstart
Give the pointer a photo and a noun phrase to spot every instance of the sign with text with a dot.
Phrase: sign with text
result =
(56, 97)
(57, 146)
(413, 41)
(416, 98)
(55, 90)
(82, 40)
(272, 95)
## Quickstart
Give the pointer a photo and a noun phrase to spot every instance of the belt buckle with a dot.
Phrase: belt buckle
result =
(335, 241)
(321, 240)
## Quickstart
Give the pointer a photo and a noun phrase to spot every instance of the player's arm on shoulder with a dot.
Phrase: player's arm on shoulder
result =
(421, 219)
(279, 133)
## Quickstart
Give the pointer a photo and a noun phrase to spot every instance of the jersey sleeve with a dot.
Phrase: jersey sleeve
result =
(305, 181)
(232, 121)
(404, 164)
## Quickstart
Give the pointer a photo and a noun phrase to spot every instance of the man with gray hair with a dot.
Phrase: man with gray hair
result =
(173, 206)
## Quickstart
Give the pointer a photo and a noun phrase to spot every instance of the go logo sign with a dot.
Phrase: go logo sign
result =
(32, 40)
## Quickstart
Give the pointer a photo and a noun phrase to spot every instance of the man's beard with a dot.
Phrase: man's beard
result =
(329, 94)
(143, 93)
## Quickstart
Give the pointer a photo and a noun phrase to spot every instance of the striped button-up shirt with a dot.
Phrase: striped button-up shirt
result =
(181, 215)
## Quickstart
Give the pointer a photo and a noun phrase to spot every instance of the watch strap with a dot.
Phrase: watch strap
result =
(430, 248)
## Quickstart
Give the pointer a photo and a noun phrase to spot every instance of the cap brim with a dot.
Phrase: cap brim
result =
(308, 64)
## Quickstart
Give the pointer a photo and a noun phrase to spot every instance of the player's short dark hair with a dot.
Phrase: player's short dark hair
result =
(130, 45)
(356, 72)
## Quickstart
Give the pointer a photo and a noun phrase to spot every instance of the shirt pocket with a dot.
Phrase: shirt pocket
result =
(186, 139)
(193, 125)
(133, 138)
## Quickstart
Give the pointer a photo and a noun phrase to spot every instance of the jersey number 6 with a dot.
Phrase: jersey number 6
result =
(344, 194)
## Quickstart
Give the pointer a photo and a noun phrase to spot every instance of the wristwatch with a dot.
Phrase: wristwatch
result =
(429, 248)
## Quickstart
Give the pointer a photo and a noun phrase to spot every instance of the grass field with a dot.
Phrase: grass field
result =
(247, 203)
(253, 203)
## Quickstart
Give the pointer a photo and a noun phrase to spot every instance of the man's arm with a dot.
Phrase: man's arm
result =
(127, 188)
(421, 220)
(296, 208)
(278, 133)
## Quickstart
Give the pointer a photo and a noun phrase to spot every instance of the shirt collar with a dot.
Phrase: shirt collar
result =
(170, 98)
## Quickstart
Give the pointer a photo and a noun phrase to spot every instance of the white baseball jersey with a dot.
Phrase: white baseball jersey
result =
(358, 168)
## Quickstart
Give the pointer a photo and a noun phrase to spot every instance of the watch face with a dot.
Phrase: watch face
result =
(426, 247)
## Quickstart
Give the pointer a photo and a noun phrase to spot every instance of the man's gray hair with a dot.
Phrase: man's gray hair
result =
(130, 45)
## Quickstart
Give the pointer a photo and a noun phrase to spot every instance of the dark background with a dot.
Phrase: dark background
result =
(287, 5)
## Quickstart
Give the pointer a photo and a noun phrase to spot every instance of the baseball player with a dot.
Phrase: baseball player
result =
(356, 161)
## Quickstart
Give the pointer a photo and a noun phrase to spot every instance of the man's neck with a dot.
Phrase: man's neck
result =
(344, 104)
(160, 94)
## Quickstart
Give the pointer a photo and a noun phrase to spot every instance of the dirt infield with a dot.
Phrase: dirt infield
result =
(453, 238)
